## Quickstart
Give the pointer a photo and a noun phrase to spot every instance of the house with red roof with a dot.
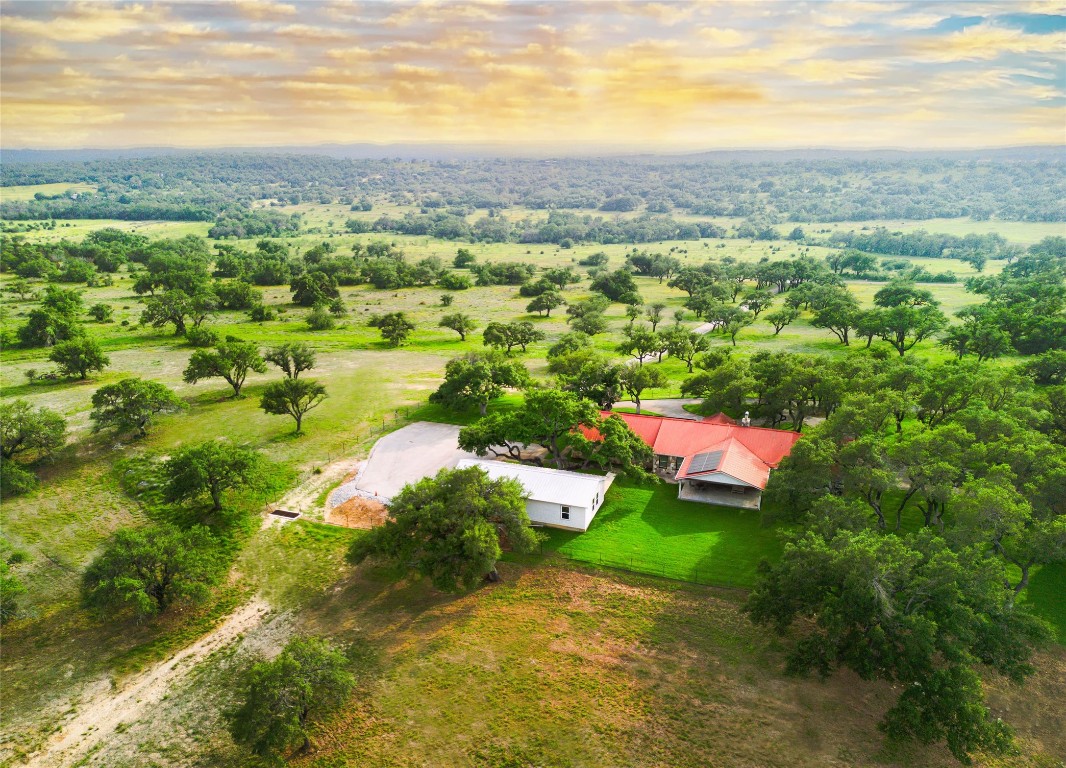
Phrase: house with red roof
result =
(713, 461)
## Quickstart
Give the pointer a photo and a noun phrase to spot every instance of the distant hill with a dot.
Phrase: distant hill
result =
(473, 151)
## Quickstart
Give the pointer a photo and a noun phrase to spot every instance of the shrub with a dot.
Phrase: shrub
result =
(14, 480)
(262, 313)
(201, 337)
(101, 313)
(320, 319)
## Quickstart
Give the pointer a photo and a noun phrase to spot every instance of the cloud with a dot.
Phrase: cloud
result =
(264, 9)
(833, 71)
(441, 12)
(657, 73)
(91, 22)
(725, 38)
(307, 33)
(985, 41)
(245, 51)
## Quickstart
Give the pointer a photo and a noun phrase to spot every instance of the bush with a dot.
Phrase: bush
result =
(15, 481)
(262, 313)
(451, 281)
(201, 337)
(101, 313)
(320, 319)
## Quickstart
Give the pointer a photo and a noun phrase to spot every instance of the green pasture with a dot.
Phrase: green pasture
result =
(77, 229)
(26, 192)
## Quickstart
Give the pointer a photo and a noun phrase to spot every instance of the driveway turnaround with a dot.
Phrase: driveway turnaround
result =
(407, 455)
(674, 408)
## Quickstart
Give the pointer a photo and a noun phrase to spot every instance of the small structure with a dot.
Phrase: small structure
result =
(713, 461)
(555, 498)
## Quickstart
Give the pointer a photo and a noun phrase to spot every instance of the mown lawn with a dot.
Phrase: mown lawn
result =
(1047, 595)
(647, 529)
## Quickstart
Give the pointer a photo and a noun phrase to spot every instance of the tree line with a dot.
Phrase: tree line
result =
(799, 190)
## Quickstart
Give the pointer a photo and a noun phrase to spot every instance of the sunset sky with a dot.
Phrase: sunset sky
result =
(666, 76)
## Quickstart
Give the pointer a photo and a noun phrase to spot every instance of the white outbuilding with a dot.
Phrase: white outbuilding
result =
(554, 497)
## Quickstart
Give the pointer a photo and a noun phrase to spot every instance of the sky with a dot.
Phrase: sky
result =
(660, 76)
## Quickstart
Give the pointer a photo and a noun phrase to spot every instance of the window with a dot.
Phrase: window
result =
(664, 462)
(566, 513)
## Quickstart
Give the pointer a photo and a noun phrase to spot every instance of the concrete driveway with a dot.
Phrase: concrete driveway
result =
(672, 407)
(407, 455)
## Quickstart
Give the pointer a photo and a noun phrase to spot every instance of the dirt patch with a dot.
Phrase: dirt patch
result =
(358, 513)
(304, 497)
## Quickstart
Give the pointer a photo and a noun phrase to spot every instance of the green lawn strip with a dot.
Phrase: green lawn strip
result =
(1047, 596)
(643, 411)
(443, 415)
(647, 529)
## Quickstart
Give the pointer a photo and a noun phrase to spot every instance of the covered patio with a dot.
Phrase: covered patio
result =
(724, 495)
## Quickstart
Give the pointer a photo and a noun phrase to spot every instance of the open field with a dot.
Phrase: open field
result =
(76, 229)
(81, 502)
(26, 192)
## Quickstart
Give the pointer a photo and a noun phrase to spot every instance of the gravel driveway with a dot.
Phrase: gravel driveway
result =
(405, 456)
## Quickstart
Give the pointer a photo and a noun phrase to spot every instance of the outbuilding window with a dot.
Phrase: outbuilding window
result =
(566, 513)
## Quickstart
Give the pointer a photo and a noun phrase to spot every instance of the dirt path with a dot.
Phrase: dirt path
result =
(104, 709)
(303, 497)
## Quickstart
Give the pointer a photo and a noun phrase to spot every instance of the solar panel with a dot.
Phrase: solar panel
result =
(705, 462)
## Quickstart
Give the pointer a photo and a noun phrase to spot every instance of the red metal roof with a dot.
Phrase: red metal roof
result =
(736, 462)
(719, 418)
(749, 452)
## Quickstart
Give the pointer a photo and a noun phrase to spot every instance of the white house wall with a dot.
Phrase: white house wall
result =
(551, 514)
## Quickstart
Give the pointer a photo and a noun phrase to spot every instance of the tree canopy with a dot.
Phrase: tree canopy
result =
(292, 397)
(26, 430)
(147, 570)
(478, 378)
(209, 468)
(292, 358)
(230, 360)
(131, 404)
(910, 610)
(280, 698)
(447, 528)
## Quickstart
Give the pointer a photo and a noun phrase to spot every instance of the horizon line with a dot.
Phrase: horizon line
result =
(633, 148)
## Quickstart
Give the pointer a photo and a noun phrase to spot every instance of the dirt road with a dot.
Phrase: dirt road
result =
(103, 709)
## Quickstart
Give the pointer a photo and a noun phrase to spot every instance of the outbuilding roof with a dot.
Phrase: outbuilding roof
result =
(554, 486)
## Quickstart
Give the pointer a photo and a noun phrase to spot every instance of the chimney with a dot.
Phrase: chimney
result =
(746, 421)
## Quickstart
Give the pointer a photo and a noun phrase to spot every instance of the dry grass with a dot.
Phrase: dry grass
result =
(570, 667)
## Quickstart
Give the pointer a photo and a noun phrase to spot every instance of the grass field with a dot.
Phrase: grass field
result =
(57, 647)
(18, 193)
(647, 529)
